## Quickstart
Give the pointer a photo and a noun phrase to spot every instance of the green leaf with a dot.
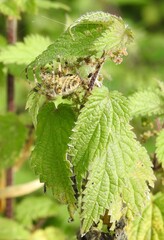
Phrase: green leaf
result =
(12, 138)
(33, 104)
(3, 42)
(126, 2)
(9, 229)
(49, 155)
(34, 208)
(160, 147)
(29, 6)
(146, 103)
(15, 7)
(98, 31)
(104, 148)
(161, 85)
(9, 8)
(149, 226)
(56, 5)
(24, 53)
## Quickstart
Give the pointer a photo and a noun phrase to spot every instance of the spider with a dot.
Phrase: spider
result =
(65, 80)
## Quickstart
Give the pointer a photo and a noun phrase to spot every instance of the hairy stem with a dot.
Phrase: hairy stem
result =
(11, 27)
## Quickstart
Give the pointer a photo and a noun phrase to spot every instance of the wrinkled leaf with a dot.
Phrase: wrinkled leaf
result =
(98, 31)
(49, 155)
(104, 148)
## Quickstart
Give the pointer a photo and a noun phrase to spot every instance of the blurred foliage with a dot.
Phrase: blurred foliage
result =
(41, 207)
(160, 147)
(49, 233)
(147, 103)
(142, 68)
(14, 8)
(13, 230)
(11, 146)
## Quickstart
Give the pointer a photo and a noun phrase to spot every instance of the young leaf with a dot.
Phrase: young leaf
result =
(33, 208)
(33, 104)
(104, 148)
(98, 31)
(49, 155)
(146, 103)
(24, 53)
(9, 229)
(160, 147)
(12, 138)
(151, 224)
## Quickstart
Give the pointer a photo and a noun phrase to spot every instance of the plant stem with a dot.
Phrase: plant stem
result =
(158, 124)
(21, 189)
(11, 28)
(39, 224)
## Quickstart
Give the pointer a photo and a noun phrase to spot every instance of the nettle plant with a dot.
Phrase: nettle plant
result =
(86, 150)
